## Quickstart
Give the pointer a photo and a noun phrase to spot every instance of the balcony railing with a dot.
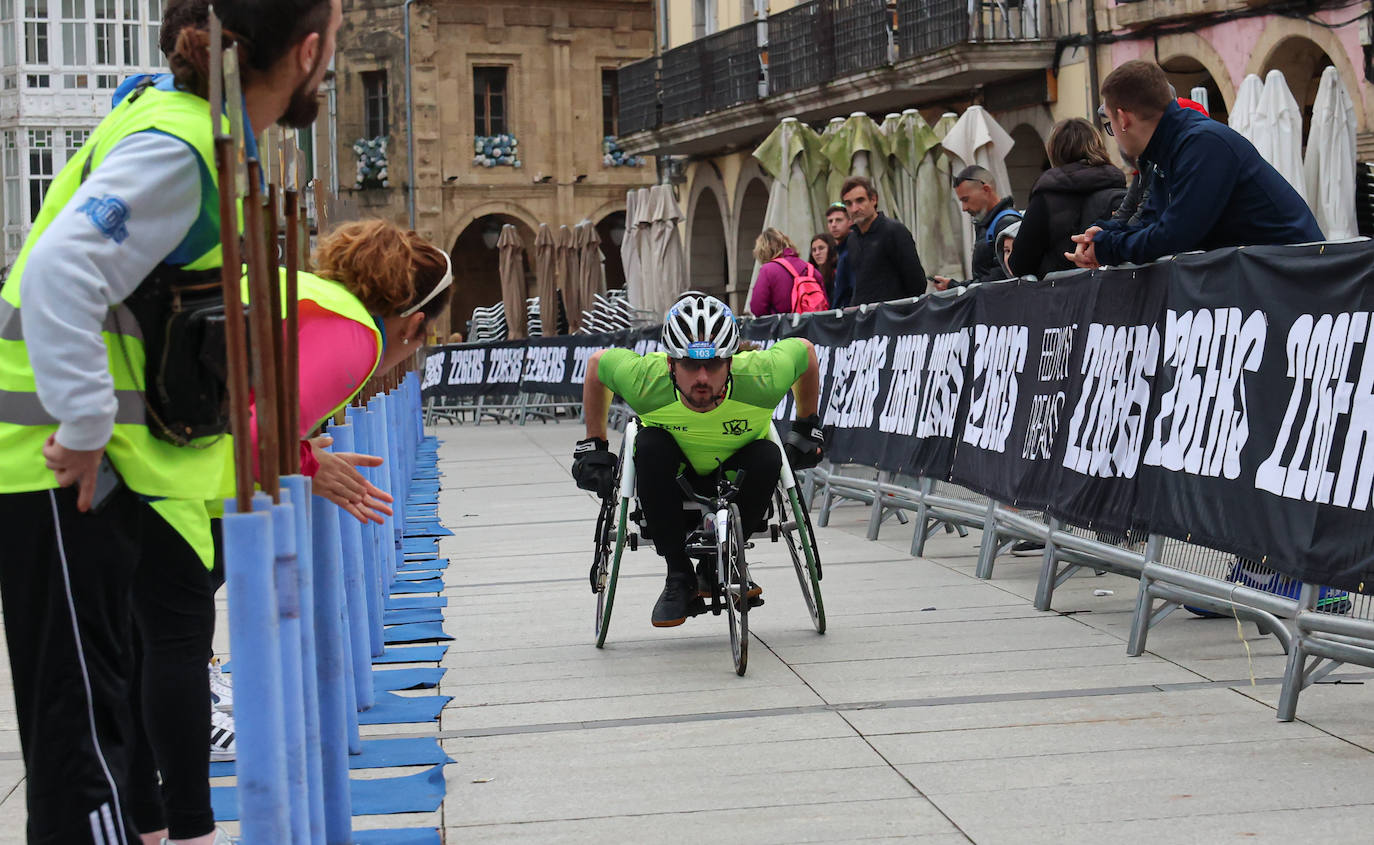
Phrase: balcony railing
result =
(815, 42)
(639, 96)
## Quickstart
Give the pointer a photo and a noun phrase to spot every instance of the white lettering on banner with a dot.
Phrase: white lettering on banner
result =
(648, 347)
(546, 364)
(467, 366)
(1320, 351)
(434, 370)
(1043, 424)
(1203, 421)
(1056, 347)
(904, 396)
(999, 356)
(582, 356)
(854, 391)
(945, 384)
(505, 365)
(1107, 429)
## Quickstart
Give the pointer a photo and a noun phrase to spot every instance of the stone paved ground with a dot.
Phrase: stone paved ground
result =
(938, 708)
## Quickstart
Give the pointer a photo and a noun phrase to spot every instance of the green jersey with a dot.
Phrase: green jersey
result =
(758, 382)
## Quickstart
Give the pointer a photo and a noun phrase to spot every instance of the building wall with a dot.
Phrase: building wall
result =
(554, 52)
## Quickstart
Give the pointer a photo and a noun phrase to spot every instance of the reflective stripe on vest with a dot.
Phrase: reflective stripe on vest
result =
(149, 466)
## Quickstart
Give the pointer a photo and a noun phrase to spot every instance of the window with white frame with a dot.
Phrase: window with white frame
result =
(105, 45)
(14, 209)
(75, 138)
(132, 41)
(75, 34)
(40, 169)
(154, 32)
(7, 54)
(36, 32)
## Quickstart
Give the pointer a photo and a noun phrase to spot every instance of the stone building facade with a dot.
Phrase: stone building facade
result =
(540, 72)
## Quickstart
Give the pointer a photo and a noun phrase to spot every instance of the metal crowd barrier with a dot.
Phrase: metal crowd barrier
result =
(517, 409)
(1171, 573)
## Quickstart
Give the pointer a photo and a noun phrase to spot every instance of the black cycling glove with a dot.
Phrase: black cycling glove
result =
(805, 443)
(594, 467)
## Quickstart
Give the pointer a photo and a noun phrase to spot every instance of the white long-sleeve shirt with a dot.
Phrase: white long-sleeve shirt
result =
(83, 265)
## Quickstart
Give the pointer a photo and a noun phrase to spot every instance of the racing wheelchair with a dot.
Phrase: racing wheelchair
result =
(719, 538)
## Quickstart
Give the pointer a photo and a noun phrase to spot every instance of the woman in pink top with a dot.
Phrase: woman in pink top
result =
(773, 288)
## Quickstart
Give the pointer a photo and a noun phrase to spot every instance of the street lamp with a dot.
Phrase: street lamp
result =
(491, 233)
(617, 231)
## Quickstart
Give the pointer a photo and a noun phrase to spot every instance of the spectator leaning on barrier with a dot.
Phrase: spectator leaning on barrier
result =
(1209, 186)
(1133, 207)
(838, 224)
(824, 257)
(99, 511)
(883, 257)
(1081, 186)
(991, 213)
(1006, 243)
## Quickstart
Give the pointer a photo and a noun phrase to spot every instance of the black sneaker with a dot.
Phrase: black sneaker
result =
(677, 601)
(1026, 548)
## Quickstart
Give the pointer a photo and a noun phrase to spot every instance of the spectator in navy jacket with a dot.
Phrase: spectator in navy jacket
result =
(1209, 185)
(773, 287)
(837, 224)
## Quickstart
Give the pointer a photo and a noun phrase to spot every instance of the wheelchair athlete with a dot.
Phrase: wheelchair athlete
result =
(703, 405)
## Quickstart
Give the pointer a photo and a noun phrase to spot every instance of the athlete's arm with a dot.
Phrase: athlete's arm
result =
(807, 388)
(596, 400)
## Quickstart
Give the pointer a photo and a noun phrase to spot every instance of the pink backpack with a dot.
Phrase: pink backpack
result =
(808, 291)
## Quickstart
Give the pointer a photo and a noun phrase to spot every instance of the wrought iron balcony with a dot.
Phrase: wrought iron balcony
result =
(925, 26)
(814, 42)
(712, 73)
(639, 95)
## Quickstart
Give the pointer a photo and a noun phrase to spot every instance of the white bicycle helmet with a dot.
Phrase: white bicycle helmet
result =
(700, 327)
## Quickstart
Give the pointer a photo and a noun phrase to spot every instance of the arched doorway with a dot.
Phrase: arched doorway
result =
(1302, 62)
(1026, 161)
(611, 231)
(749, 223)
(710, 265)
(477, 269)
(1186, 73)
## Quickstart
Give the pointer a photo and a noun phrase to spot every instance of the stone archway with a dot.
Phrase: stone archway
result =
(750, 208)
(1301, 61)
(611, 231)
(1026, 161)
(1186, 73)
(1281, 45)
(476, 266)
(708, 263)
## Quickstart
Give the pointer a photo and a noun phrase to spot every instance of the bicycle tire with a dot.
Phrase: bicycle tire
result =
(735, 588)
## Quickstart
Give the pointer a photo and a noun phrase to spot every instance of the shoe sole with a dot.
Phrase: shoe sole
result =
(222, 756)
(752, 594)
(671, 623)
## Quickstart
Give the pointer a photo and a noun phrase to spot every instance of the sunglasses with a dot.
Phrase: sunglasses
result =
(1106, 121)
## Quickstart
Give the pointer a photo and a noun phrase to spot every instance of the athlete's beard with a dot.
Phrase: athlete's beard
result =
(303, 108)
(707, 404)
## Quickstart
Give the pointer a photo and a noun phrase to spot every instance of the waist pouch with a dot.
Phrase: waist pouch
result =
(182, 317)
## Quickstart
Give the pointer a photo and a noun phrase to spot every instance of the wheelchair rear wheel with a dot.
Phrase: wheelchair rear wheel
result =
(735, 585)
(795, 523)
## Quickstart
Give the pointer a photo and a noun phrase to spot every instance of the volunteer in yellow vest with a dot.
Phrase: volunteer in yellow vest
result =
(86, 555)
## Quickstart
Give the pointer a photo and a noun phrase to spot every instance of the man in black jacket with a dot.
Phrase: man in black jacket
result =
(991, 214)
(1209, 186)
(882, 257)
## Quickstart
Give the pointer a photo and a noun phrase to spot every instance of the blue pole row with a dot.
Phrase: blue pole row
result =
(307, 589)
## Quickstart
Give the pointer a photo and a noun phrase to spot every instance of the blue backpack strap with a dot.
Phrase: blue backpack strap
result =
(992, 227)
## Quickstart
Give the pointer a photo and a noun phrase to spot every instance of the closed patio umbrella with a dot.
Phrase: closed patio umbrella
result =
(1330, 164)
(910, 139)
(859, 148)
(629, 245)
(976, 138)
(566, 263)
(637, 235)
(546, 278)
(591, 272)
(1242, 116)
(940, 235)
(667, 265)
(512, 265)
(791, 154)
(1277, 127)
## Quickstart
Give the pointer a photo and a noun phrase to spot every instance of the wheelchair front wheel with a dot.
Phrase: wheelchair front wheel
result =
(801, 544)
(734, 578)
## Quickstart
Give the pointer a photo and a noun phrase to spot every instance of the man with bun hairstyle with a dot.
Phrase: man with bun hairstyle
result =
(104, 514)
(703, 404)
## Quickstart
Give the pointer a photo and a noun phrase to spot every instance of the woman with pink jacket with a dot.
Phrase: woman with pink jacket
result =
(773, 288)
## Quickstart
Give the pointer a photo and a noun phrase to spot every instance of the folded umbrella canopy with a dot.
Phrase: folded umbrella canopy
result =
(791, 154)
(512, 265)
(1277, 128)
(859, 148)
(940, 238)
(1330, 164)
(1242, 116)
(629, 246)
(566, 262)
(546, 278)
(638, 229)
(666, 265)
(591, 277)
(910, 138)
(976, 138)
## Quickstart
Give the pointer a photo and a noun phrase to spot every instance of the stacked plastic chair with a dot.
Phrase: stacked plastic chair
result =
(534, 326)
(488, 324)
(612, 312)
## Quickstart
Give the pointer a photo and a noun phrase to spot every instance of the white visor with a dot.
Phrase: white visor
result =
(438, 289)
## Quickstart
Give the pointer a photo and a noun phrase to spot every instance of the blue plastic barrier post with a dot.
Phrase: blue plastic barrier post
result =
(386, 539)
(333, 671)
(355, 594)
(372, 563)
(250, 576)
(292, 690)
(299, 488)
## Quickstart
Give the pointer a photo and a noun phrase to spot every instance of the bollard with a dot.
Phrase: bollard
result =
(299, 488)
(292, 690)
(355, 594)
(334, 671)
(385, 534)
(250, 578)
(371, 561)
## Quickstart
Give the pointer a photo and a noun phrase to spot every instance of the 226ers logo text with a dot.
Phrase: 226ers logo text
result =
(736, 427)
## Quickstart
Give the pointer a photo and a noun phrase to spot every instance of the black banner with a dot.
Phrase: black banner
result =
(1226, 397)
